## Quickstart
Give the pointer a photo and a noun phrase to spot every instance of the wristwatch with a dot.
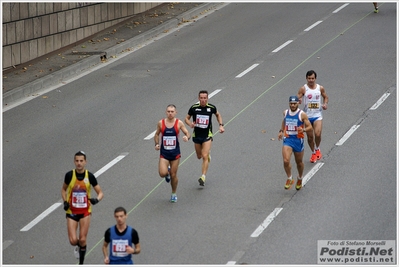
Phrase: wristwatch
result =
(222, 124)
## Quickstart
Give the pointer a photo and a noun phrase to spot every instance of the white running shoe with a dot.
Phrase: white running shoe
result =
(76, 252)
(173, 198)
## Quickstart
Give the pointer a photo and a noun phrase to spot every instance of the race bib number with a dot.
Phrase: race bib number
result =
(291, 127)
(202, 121)
(79, 200)
(119, 248)
(169, 142)
(313, 105)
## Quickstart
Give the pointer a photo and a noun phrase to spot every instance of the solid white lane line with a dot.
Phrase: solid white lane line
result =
(151, 135)
(282, 46)
(341, 7)
(56, 205)
(380, 101)
(312, 26)
(247, 70)
(266, 222)
(40, 217)
(347, 135)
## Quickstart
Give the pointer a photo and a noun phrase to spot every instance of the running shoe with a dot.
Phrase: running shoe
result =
(76, 252)
(318, 154)
(313, 158)
(376, 10)
(289, 183)
(201, 181)
(298, 184)
(167, 177)
(173, 198)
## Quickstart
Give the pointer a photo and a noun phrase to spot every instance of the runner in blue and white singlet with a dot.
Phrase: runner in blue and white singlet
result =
(294, 125)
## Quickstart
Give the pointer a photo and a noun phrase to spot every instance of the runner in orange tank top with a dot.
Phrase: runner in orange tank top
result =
(76, 194)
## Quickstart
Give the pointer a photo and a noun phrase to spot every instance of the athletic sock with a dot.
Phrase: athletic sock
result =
(82, 253)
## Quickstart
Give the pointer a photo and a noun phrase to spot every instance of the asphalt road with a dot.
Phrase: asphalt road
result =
(237, 53)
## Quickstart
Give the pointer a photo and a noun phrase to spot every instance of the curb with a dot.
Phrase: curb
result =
(32, 88)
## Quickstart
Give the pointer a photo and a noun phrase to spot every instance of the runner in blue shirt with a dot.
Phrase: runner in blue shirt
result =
(123, 240)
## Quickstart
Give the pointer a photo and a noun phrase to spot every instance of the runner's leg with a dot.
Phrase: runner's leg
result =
(72, 227)
(206, 147)
(174, 165)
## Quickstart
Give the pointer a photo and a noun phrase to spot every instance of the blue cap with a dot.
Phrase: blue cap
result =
(294, 98)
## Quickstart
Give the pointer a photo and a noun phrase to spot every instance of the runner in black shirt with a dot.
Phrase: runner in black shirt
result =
(202, 125)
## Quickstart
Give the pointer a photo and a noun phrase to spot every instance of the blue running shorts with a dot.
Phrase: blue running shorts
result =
(295, 143)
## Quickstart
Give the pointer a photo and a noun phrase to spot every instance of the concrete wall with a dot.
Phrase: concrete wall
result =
(31, 30)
